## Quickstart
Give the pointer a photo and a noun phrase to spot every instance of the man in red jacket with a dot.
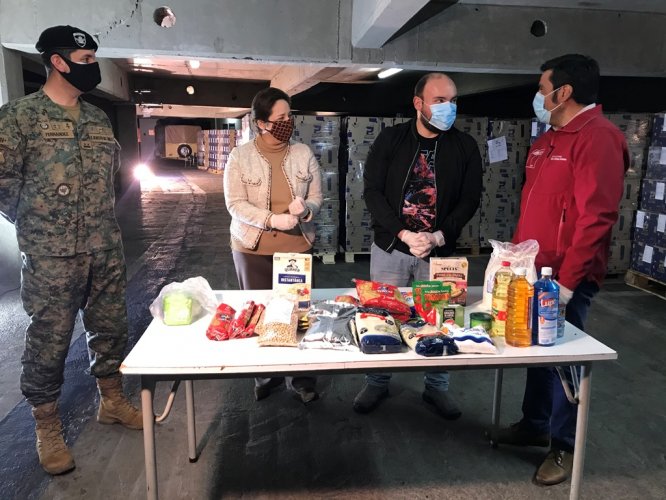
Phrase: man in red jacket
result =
(574, 183)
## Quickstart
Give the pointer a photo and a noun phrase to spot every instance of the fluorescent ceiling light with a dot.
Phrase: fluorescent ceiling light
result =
(194, 64)
(388, 72)
(370, 70)
(189, 89)
(142, 61)
(143, 70)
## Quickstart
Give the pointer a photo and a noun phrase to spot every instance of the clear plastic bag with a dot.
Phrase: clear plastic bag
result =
(521, 254)
(181, 303)
(330, 327)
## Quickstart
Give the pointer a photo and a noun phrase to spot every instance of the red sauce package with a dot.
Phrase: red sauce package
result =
(242, 319)
(220, 325)
(384, 296)
(248, 331)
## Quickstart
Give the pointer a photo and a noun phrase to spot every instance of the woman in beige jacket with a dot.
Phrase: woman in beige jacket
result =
(272, 190)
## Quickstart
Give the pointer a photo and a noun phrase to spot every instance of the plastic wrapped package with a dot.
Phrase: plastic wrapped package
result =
(181, 303)
(522, 254)
(384, 296)
(416, 329)
(330, 327)
(377, 331)
(279, 324)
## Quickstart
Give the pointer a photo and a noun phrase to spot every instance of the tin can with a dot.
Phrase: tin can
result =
(481, 319)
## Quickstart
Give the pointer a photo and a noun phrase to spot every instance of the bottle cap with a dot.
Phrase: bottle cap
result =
(520, 271)
(546, 271)
(506, 263)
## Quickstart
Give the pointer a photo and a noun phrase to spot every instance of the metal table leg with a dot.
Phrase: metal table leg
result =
(497, 397)
(581, 430)
(191, 428)
(147, 392)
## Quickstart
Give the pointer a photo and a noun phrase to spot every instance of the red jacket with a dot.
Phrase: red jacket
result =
(573, 186)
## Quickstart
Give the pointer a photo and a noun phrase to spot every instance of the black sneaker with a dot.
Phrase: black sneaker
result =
(263, 391)
(517, 435)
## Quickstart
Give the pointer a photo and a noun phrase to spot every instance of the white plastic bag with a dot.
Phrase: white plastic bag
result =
(193, 293)
(521, 254)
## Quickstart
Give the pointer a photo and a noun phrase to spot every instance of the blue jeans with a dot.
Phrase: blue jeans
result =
(399, 269)
(546, 409)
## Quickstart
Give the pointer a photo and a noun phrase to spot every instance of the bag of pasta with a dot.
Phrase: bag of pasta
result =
(383, 296)
(279, 324)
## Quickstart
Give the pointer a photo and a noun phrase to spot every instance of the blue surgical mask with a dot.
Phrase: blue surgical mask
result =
(542, 114)
(443, 115)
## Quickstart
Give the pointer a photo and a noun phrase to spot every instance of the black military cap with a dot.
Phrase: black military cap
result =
(64, 37)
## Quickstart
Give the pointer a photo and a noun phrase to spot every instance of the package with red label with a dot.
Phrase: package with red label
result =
(428, 295)
(384, 296)
(220, 325)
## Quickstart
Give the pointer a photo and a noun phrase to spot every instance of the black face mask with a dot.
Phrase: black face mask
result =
(84, 77)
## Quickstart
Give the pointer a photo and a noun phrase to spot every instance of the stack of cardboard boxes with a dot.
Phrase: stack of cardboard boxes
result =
(322, 135)
(648, 254)
(503, 181)
(361, 133)
(636, 130)
(478, 129)
(213, 148)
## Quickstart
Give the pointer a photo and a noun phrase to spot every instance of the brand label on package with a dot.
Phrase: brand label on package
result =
(292, 278)
(451, 270)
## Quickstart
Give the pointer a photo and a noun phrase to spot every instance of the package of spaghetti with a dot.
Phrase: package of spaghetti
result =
(384, 296)
(416, 329)
(330, 327)
(377, 331)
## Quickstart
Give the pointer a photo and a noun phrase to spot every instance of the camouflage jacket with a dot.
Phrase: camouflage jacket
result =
(56, 177)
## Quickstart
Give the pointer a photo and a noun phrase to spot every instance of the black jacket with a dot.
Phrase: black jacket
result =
(458, 177)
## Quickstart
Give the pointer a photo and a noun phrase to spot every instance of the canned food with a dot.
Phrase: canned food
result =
(481, 319)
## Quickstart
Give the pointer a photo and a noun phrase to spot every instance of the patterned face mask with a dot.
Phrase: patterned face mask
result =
(282, 129)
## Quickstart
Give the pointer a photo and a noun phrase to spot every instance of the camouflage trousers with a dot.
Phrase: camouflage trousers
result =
(53, 291)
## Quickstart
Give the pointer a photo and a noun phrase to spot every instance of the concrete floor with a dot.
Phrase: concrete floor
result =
(278, 448)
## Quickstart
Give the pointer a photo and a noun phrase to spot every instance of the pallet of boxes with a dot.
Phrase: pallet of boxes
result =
(636, 129)
(478, 129)
(361, 134)
(214, 148)
(503, 178)
(648, 253)
(322, 135)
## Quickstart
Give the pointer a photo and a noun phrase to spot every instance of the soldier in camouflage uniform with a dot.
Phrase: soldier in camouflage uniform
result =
(57, 159)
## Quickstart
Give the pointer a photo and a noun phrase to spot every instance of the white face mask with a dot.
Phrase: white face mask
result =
(542, 114)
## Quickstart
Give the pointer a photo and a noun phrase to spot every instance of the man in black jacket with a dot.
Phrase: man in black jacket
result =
(422, 184)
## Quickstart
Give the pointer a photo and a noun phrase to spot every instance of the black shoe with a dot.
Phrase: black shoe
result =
(263, 391)
(555, 469)
(369, 398)
(517, 435)
(442, 403)
(307, 395)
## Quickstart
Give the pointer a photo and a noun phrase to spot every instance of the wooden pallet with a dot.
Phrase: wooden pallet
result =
(326, 257)
(646, 283)
(350, 257)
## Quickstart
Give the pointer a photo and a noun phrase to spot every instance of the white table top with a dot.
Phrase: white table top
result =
(185, 350)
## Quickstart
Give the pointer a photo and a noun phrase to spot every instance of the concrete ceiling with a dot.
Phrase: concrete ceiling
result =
(417, 35)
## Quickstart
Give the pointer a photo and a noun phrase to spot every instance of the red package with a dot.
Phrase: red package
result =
(241, 319)
(220, 325)
(248, 331)
(384, 296)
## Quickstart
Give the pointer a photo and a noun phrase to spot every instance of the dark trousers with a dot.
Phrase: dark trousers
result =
(546, 409)
(255, 272)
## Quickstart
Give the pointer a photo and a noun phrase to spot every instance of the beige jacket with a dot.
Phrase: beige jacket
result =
(247, 190)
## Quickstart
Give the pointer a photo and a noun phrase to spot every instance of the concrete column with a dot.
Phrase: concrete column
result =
(11, 75)
(127, 137)
(11, 87)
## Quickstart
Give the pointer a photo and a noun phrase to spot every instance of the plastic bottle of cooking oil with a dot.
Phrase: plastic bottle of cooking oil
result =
(503, 277)
(519, 310)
